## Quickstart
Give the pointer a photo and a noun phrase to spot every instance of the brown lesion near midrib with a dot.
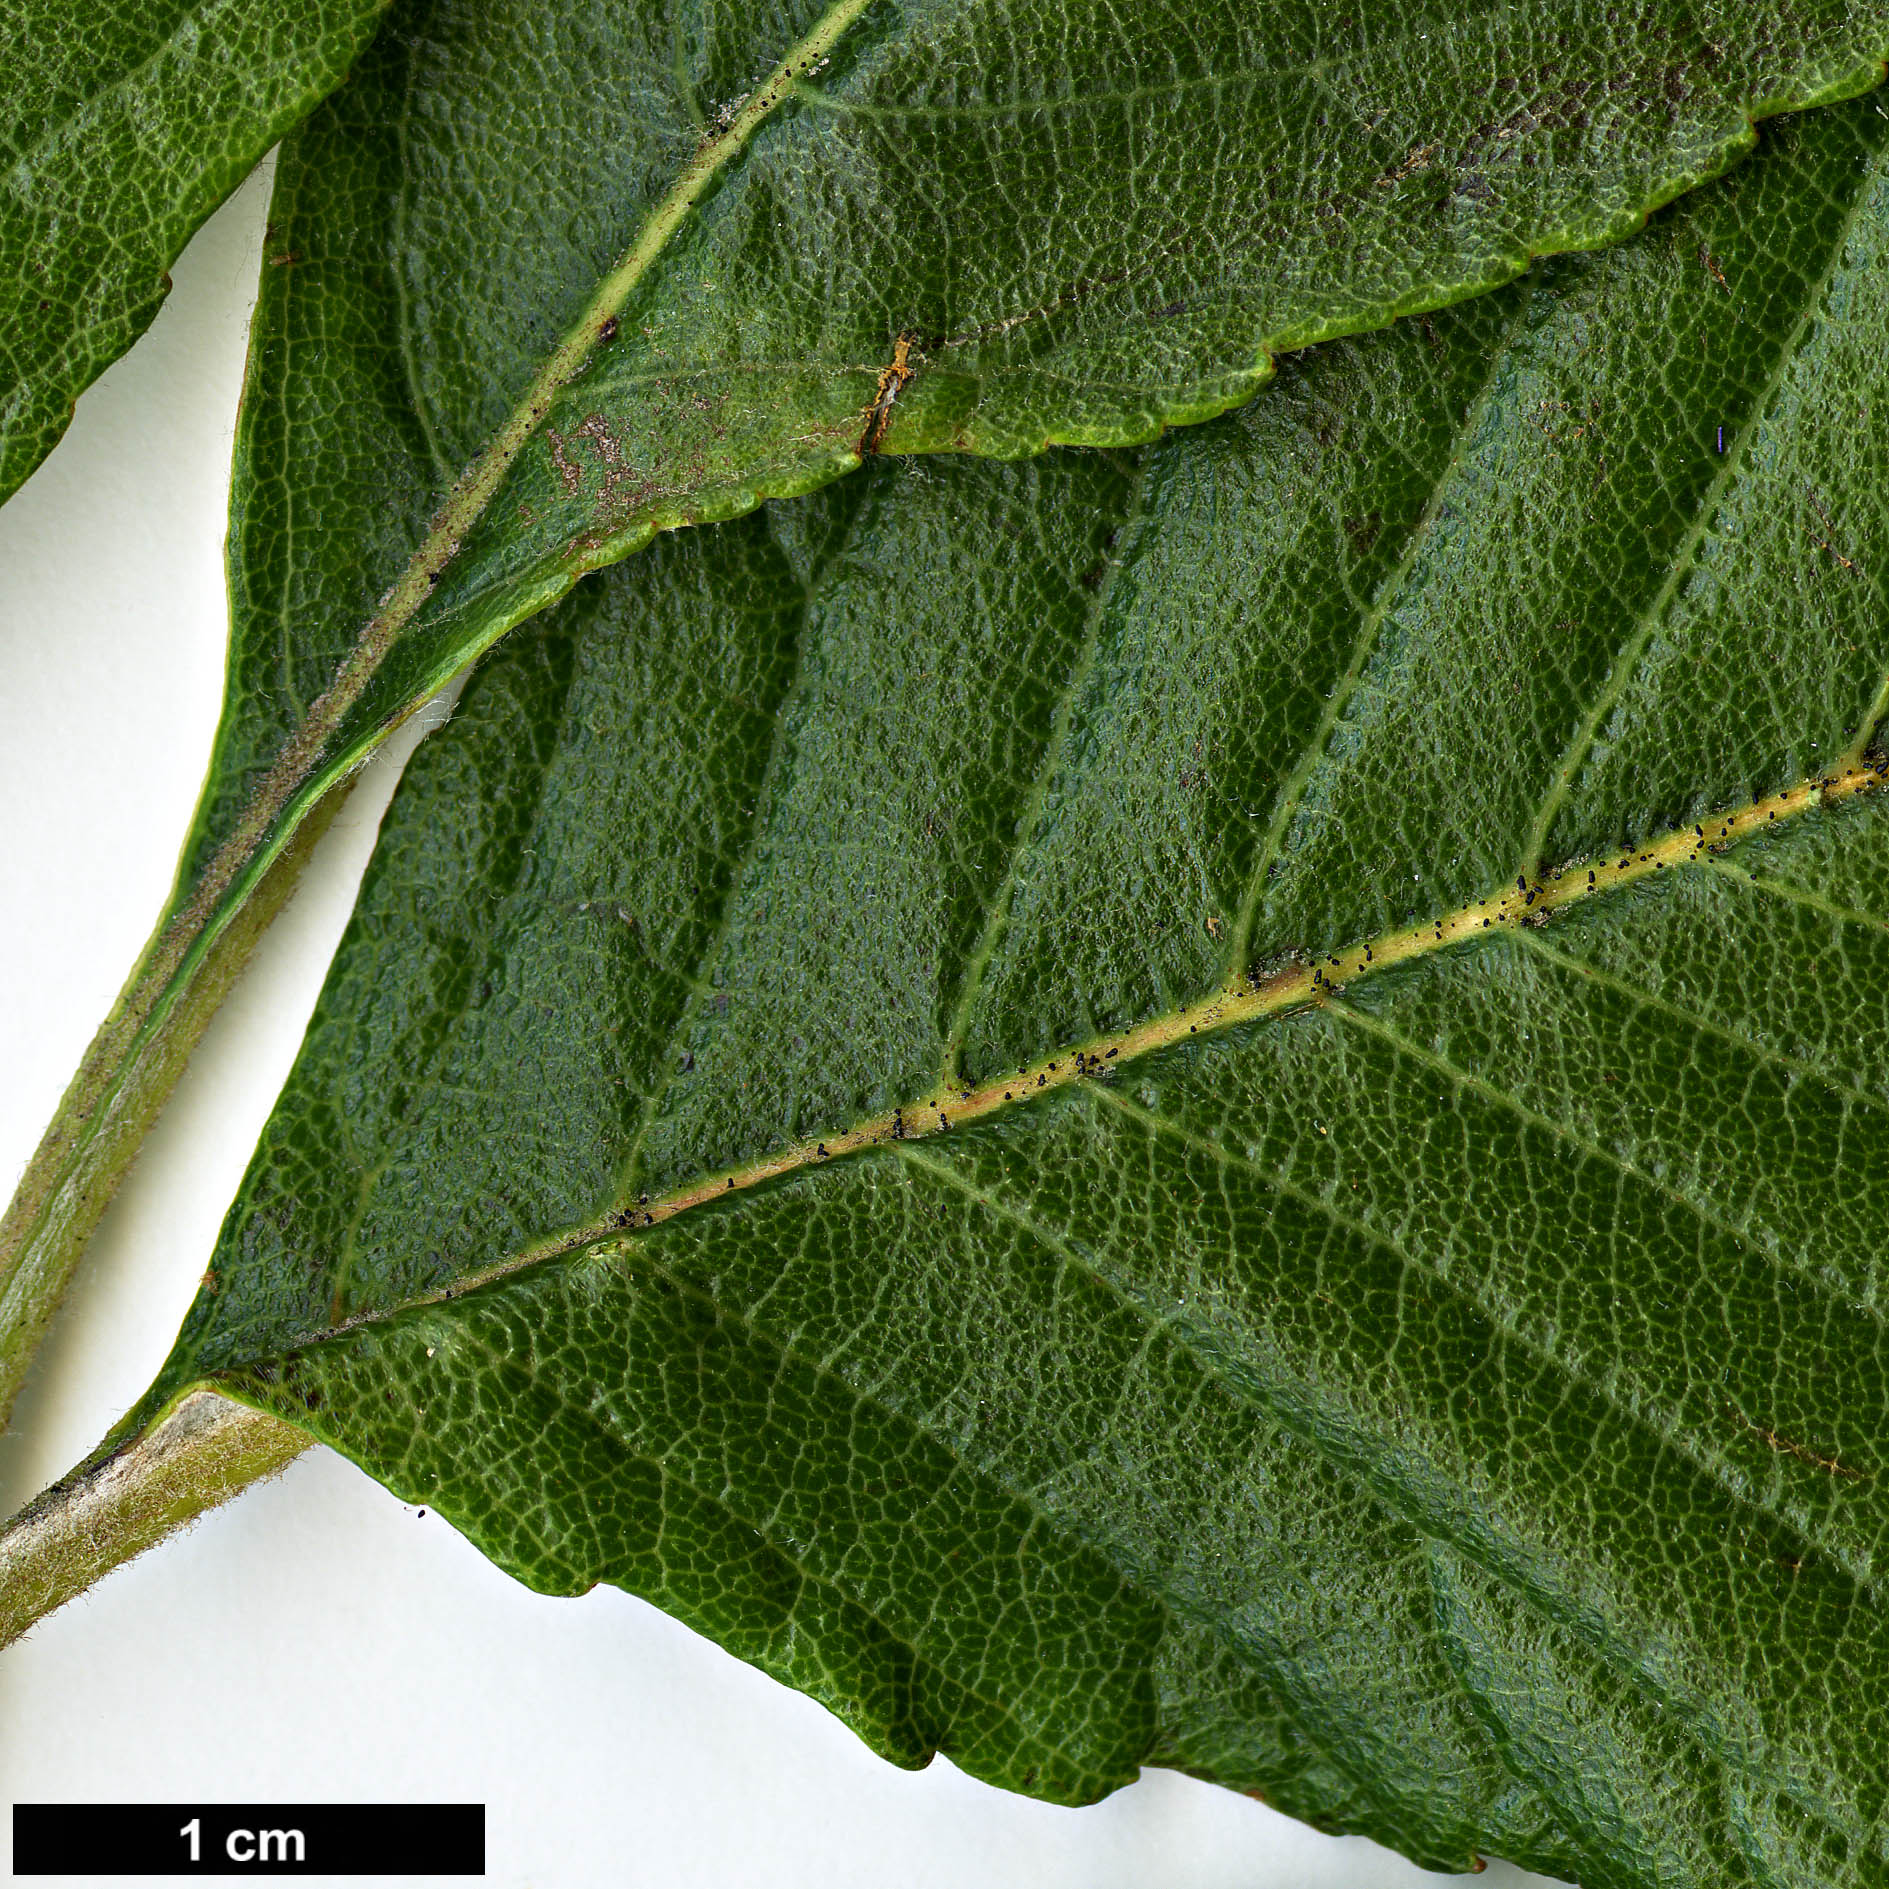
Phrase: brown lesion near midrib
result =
(1247, 996)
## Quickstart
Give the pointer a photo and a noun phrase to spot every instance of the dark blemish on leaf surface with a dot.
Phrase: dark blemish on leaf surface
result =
(1363, 532)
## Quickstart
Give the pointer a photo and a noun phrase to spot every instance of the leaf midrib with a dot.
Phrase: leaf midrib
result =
(303, 770)
(1248, 999)
(1247, 996)
(303, 774)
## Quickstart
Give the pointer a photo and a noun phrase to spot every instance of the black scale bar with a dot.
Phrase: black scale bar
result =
(249, 1839)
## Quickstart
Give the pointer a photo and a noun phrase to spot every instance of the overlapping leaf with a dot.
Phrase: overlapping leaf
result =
(122, 126)
(1220, 1105)
(720, 226)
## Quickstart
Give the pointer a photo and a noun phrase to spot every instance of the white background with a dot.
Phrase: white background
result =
(317, 1640)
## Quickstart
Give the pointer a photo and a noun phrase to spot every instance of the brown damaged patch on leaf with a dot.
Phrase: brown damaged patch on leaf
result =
(567, 468)
(892, 382)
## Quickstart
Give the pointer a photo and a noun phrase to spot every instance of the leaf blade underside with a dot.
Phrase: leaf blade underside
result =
(119, 138)
(1439, 1387)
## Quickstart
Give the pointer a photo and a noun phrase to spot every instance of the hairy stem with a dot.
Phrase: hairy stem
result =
(203, 1450)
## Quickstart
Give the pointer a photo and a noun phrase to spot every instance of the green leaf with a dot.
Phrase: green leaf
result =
(119, 135)
(1220, 1105)
(532, 327)
(563, 276)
